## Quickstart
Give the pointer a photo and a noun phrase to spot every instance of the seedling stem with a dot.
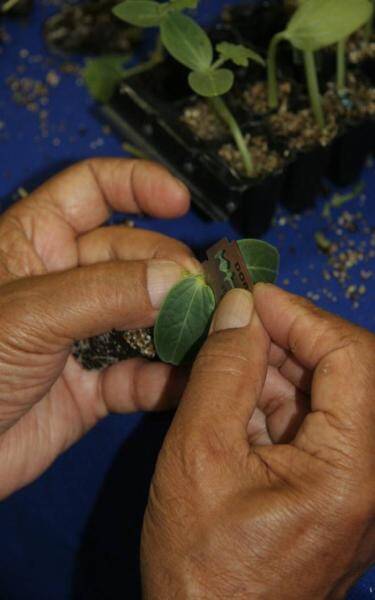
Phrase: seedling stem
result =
(224, 113)
(313, 87)
(272, 71)
(341, 65)
(156, 57)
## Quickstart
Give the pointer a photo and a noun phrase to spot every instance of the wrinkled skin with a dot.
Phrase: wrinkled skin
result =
(64, 278)
(265, 485)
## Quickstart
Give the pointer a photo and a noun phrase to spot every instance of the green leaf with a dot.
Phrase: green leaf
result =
(103, 74)
(186, 41)
(239, 54)
(142, 13)
(184, 320)
(210, 83)
(261, 259)
(320, 23)
(183, 4)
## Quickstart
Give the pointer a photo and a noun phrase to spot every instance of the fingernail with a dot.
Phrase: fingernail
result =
(182, 186)
(162, 275)
(192, 265)
(234, 311)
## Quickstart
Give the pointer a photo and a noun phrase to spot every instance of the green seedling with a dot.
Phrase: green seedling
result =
(102, 75)
(189, 44)
(317, 24)
(185, 316)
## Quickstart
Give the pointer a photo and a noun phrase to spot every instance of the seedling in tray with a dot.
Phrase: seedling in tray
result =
(189, 44)
(317, 24)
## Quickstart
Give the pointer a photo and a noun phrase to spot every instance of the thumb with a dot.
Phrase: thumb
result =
(47, 312)
(228, 375)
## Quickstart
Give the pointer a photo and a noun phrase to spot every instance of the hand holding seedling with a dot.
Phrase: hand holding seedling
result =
(264, 487)
(62, 277)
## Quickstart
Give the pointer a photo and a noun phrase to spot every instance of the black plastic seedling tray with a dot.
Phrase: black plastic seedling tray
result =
(151, 123)
(146, 110)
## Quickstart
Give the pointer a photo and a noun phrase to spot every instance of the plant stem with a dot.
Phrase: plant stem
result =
(224, 113)
(313, 87)
(219, 62)
(341, 66)
(156, 57)
(272, 70)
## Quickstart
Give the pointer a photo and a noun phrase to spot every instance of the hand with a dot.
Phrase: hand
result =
(235, 513)
(62, 278)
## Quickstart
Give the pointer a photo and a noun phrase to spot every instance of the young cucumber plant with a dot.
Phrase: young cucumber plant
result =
(317, 24)
(189, 44)
(185, 316)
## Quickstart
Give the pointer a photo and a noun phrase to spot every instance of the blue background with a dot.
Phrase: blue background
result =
(74, 533)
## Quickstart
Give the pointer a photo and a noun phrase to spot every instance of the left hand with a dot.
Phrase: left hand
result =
(62, 277)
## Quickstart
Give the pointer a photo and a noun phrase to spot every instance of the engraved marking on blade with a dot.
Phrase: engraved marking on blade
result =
(241, 275)
(215, 277)
(226, 269)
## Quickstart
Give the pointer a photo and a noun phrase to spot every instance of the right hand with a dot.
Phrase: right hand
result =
(265, 485)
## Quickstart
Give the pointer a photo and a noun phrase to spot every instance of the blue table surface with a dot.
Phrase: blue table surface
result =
(74, 533)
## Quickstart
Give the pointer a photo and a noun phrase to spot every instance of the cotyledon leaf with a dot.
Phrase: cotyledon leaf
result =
(184, 320)
(186, 41)
(320, 23)
(261, 259)
(211, 83)
(142, 13)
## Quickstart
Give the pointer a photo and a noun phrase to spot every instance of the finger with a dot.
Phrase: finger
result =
(41, 317)
(341, 355)
(228, 375)
(88, 301)
(290, 368)
(80, 199)
(283, 405)
(257, 429)
(138, 385)
(299, 327)
(53, 425)
(125, 243)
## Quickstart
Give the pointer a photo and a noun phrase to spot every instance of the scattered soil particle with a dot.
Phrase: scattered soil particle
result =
(4, 36)
(344, 254)
(28, 92)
